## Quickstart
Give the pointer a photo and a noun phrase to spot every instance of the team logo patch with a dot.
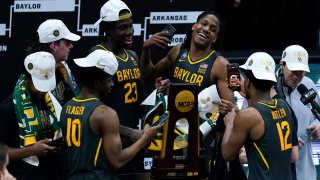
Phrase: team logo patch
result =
(184, 56)
(134, 61)
(30, 66)
(299, 59)
(267, 68)
(56, 33)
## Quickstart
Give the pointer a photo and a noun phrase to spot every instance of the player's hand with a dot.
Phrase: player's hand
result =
(229, 118)
(162, 84)
(150, 132)
(41, 148)
(157, 40)
(225, 106)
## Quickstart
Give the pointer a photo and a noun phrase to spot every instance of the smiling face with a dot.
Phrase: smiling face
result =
(122, 33)
(205, 31)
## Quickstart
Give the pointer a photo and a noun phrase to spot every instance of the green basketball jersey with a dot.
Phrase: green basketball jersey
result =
(126, 94)
(85, 153)
(269, 157)
(197, 72)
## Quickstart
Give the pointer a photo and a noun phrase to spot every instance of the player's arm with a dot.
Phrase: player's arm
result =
(40, 148)
(146, 66)
(238, 127)
(132, 134)
(163, 66)
(219, 76)
(108, 122)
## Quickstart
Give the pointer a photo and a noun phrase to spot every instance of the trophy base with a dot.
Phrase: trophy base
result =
(169, 168)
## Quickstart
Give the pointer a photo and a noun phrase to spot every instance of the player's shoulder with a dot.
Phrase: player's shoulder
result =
(102, 112)
(133, 53)
(249, 114)
(221, 59)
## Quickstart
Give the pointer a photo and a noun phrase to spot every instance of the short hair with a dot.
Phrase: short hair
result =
(263, 85)
(187, 41)
(87, 76)
(3, 154)
(36, 46)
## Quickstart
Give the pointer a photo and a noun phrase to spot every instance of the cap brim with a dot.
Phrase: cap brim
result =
(297, 67)
(72, 37)
(83, 62)
(264, 76)
(98, 22)
(44, 85)
(244, 66)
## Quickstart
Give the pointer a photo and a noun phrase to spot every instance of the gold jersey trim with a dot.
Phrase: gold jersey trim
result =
(122, 59)
(201, 59)
(262, 156)
(275, 103)
(97, 153)
(83, 100)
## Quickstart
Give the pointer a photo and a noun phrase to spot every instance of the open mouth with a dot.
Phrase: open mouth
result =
(202, 36)
(128, 40)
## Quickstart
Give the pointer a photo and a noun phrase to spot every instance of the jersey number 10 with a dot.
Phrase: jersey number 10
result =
(73, 132)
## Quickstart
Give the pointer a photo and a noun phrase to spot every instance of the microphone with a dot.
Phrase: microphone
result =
(308, 96)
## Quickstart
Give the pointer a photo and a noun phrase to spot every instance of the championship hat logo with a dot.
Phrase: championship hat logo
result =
(56, 33)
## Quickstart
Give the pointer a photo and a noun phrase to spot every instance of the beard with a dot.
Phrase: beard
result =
(104, 96)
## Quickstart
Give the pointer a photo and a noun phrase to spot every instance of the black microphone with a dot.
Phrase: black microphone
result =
(308, 96)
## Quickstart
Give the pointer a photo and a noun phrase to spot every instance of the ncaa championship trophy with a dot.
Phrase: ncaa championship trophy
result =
(182, 103)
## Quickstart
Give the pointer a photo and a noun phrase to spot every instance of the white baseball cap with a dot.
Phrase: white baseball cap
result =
(41, 66)
(262, 66)
(296, 58)
(101, 59)
(110, 11)
(53, 30)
